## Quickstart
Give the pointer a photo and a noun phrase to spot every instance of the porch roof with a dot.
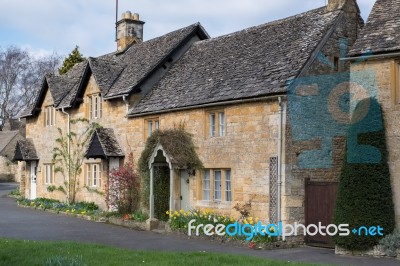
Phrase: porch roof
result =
(104, 144)
(25, 151)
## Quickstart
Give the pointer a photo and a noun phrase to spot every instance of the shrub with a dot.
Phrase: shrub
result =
(391, 243)
(364, 194)
(123, 190)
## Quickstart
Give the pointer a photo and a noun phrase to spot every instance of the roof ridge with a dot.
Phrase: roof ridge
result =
(270, 23)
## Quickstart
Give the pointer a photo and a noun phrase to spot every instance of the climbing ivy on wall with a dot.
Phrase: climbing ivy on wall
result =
(179, 145)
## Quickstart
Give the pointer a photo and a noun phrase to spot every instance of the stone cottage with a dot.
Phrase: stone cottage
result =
(377, 52)
(11, 133)
(231, 92)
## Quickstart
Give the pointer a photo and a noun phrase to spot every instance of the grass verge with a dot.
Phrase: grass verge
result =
(19, 252)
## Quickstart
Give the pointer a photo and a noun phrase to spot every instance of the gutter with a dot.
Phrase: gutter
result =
(68, 150)
(208, 105)
(279, 196)
(367, 57)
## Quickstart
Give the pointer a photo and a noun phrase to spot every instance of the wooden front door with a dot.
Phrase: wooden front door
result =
(319, 208)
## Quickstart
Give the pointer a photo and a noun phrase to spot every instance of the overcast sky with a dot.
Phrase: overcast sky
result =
(44, 26)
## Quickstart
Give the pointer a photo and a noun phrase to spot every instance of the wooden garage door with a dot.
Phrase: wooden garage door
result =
(320, 204)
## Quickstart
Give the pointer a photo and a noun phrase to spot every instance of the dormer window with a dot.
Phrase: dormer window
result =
(95, 106)
(49, 116)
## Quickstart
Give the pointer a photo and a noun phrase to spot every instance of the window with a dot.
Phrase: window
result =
(152, 125)
(206, 185)
(50, 116)
(95, 106)
(228, 186)
(217, 124)
(48, 174)
(217, 183)
(93, 175)
(336, 63)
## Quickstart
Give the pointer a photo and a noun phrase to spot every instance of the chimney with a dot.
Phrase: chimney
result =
(350, 6)
(129, 30)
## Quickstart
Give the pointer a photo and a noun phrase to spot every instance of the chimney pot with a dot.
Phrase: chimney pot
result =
(129, 30)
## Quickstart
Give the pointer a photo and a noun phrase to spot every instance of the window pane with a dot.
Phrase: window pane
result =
(206, 185)
(96, 108)
(88, 175)
(212, 125)
(217, 185)
(221, 124)
(95, 175)
(90, 107)
(150, 125)
(228, 186)
(100, 106)
(157, 125)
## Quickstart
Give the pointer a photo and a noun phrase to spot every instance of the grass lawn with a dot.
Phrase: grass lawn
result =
(16, 252)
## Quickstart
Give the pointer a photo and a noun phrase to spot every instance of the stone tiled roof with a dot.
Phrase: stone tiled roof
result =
(68, 87)
(104, 144)
(115, 73)
(63, 88)
(140, 59)
(5, 138)
(25, 151)
(250, 63)
(381, 33)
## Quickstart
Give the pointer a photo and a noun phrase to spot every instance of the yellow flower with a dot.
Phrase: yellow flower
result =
(167, 212)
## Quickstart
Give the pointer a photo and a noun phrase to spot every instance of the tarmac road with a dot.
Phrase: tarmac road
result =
(29, 224)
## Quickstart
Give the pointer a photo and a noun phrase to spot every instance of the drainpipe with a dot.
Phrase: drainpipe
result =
(280, 157)
(69, 151)
(126, 105)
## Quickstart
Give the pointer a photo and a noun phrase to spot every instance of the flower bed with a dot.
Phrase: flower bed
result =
(83, 208)
(179, 221)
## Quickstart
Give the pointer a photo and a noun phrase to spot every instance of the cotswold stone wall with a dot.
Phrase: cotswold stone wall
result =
(387, 79)
(322, 69)
(250, 141)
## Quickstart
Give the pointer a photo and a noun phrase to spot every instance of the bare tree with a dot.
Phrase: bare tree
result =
(20, 77)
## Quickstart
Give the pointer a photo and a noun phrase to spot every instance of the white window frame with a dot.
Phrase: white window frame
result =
(217, 124)
(95, 106)
(206, 185)
(93, 175)
(50, 116)
(152, 125)
(48, 174)
(228, 185)
(213, 124)
(217, 185)
(221, 121)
